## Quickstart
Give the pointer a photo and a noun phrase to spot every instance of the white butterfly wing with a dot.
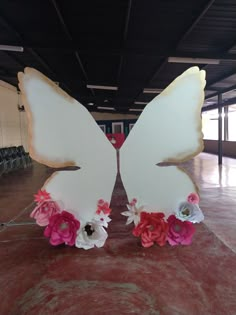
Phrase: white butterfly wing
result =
(168, 130)
(63, 133)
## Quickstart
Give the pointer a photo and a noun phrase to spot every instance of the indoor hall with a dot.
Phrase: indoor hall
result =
(114, 58)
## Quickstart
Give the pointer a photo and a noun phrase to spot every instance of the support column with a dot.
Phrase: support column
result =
(220, 129)
(226, 129)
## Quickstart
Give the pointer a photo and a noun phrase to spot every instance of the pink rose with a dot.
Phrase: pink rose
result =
(152, 228)
(44, 211)
(180, 232)
(193, 198)
(62, 228)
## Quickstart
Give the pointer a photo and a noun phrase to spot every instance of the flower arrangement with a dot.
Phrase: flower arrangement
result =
(153, 228)
(62, 227)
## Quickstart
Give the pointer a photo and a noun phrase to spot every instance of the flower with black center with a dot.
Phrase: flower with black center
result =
(91, 235)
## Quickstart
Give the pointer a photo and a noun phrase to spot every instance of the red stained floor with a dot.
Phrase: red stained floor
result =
(121, 278)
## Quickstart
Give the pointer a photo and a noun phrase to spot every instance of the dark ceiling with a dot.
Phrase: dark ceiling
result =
(122, 44)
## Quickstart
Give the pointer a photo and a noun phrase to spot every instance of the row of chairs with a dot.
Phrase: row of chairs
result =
(13, 158)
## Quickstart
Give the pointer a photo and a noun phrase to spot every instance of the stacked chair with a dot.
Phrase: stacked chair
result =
(13, 158)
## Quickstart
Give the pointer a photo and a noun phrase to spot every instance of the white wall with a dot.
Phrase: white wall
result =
(13, 124)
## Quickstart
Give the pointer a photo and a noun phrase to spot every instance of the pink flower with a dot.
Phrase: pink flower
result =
(100, 202)
(193, 198)
(44, 211)
(62, 228)
(180, 232)
(103, 206)
(152, 229)
(41, 196)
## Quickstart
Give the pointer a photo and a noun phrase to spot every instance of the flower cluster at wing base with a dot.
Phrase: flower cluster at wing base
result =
(63, 228)
(152, 227)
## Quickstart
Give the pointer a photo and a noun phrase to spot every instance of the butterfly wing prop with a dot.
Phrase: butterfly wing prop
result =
(168, 130)
(63, 133)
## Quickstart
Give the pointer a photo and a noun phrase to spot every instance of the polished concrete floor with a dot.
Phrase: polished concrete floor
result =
(121, 278)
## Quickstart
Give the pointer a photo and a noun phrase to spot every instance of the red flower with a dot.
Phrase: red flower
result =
(42, 196)
(152, 229)
(103, 206)
(180, 232)
(62, 228)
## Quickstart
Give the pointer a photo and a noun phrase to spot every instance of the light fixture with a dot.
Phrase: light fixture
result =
(194, 60)
(140, 103)
(106, 108)
(102, 87)
(90, 104)
(12, 48)
(135, 110)
(152, 91)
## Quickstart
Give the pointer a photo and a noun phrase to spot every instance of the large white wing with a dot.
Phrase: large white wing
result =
(168, 130)
(63, 133)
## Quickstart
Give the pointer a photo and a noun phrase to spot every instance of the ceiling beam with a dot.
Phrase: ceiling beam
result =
(219, 79)
(125, 33)
(5, 71)
(230, 45)
(69, 37)
(204, 10)
(8, 76)
(14, 58)
(153, 51)
(20, 38)
(206, 7)
(229, 102)
(214, 89)
(7, 26)
(222, 91)
(61, 19)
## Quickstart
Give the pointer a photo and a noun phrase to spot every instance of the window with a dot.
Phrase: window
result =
(232, 123)
(117, 127)
(210, 124)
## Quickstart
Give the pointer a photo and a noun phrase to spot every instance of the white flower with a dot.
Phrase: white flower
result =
(189, 212)
(91, 235)
(133, 214)
(102, 219)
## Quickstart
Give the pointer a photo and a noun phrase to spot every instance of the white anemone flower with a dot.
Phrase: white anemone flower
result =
(189, 212)
(91, 235)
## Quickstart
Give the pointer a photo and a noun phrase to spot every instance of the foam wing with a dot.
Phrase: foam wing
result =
(168, 130)
(63, 133)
